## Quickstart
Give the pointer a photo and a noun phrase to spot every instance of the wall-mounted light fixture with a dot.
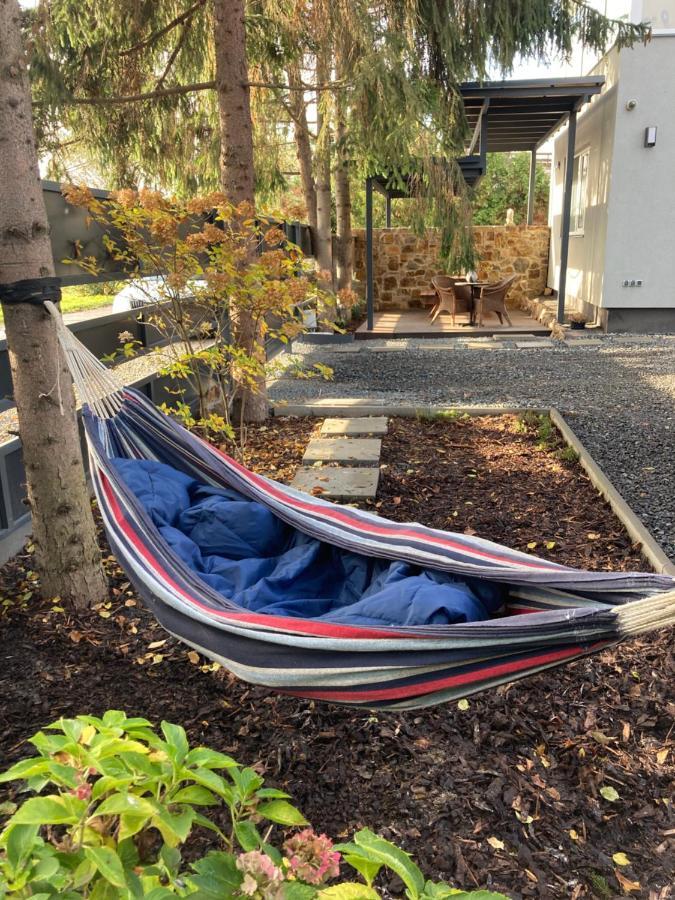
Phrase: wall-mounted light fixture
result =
(650, 136)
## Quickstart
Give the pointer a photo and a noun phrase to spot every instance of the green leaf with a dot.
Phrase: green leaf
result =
(51, 810)
(216, 875)
(131, 825)
(84, 873)
(194, 794)
(609, 793)
(247, 782)
(272, 794)
(210, 759)
(366, 867)
(25, 768)
(177, 740)
(108, 864)
(174, 827)
(281, 812)
(348, 890)
(294, 890)
(20, 841)
(117, 804)
(247, 835)
(394, 858)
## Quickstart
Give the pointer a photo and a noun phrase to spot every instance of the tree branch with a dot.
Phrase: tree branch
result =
(172, 58)
(153, 38)
(301, 86)
(137, 98)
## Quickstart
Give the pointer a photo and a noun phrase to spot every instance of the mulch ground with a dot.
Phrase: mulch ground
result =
(503, 794)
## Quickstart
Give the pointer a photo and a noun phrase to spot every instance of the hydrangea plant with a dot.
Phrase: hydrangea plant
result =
(112, 802)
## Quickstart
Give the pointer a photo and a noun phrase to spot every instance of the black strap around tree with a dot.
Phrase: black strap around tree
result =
(32, 290)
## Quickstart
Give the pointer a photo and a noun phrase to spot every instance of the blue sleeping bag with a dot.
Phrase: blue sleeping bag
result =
(248, 555)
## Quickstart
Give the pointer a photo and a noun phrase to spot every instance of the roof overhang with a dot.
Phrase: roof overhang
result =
(521, 115)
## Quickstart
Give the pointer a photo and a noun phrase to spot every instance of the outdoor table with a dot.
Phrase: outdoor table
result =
(476, 287)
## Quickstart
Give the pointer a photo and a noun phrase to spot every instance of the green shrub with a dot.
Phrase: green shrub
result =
(112, 802)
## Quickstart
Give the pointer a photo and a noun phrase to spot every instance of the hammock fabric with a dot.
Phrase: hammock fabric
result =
(552, 614)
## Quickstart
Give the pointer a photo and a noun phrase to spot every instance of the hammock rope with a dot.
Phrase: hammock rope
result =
(554, 614)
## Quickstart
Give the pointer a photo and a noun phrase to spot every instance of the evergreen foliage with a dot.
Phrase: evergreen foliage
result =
(400, 62)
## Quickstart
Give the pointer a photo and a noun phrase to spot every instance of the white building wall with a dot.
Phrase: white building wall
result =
(629, 230)
(595, 133)
(641, 233)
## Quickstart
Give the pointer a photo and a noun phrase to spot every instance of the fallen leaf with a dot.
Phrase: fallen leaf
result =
(550, 545)
(626, 883)
(75, 636)
(621, 859)
(496, 843)
(662, 756)
(155, 645)
(531, 545)
(396, 501)
(609, 793)
(593, 536)
(193, 656)
(574, 834)
(104, 613)
(463, 705)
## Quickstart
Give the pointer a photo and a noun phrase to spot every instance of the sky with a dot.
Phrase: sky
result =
(582, 61)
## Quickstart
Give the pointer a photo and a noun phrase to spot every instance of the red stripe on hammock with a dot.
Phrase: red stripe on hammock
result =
(303, 626)
(374, 529)
(399, 693)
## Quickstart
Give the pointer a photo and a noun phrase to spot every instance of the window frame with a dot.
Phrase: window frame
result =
(579, 200)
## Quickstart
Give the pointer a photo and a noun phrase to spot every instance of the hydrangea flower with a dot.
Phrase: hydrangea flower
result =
(311, 857)
(262, 879)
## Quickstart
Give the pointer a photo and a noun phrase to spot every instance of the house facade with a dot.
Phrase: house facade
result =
(621, 263)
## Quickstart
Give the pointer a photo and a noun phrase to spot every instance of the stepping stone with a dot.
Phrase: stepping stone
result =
(533, 345)
(362, 451)
(354, 427)
(474, 345)
(337, 484)
(586, 342)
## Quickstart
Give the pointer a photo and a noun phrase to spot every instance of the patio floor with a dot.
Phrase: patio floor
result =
(415, 323)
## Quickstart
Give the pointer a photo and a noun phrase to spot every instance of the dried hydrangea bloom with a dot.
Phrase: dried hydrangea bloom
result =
(262, 879)
(311, 857)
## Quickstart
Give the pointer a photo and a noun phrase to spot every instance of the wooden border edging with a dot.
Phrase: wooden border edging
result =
(649, 546)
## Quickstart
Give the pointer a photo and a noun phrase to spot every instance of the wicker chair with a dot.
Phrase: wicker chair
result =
(493, 299)
(450, 295)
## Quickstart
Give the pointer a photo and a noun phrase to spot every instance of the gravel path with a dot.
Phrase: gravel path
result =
(619, 396)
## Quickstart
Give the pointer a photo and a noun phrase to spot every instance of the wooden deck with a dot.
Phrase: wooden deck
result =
(415, 323)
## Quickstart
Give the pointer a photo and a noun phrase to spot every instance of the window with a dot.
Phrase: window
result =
(579, 180)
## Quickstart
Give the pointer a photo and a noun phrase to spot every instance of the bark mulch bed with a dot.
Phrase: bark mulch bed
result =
(505, 793)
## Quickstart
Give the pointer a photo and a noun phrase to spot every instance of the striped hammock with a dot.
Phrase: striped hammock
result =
(554, 614)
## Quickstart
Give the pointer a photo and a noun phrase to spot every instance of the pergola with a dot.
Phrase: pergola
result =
(505, 116)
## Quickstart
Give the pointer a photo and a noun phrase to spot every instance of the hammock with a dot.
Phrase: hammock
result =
(550, 614)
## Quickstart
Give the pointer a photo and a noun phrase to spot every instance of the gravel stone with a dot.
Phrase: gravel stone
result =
(619, 397)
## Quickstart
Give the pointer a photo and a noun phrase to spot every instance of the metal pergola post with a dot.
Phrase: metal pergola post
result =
(388, 211)
(566, 214)
(369, 254)
(532, 186)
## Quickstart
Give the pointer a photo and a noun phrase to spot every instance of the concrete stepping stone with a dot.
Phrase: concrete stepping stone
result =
(345, 483)
(586, 342)
(474, 345)
(362, 451)
(533, 345)
(359, 427)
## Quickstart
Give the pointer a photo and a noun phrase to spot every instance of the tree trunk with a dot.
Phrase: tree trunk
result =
(343, 203)
(237, 173)
(67, 554)
(324, 242)
(303, 145)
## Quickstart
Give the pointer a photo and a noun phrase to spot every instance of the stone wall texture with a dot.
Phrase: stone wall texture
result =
(405, 263)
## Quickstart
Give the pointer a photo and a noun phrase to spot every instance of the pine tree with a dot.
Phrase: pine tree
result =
(66, 551)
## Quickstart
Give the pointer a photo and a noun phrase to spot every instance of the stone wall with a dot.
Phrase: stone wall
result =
(405, 264)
